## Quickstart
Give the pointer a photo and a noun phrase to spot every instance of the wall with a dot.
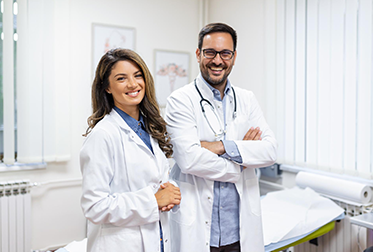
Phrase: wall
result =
(168, 24)
(247, 18)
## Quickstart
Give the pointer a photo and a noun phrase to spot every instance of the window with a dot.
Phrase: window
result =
(35, 119)
(324, 82)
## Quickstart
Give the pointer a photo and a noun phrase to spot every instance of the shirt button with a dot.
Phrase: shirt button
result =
(232, 153)
(222, 187)
(221, 207)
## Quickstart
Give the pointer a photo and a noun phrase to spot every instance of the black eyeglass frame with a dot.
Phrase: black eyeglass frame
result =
(217, 52)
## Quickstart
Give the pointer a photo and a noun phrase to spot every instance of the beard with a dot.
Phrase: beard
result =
(213, 81)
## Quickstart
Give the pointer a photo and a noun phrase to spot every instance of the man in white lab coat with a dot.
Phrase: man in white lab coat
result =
(219, 136)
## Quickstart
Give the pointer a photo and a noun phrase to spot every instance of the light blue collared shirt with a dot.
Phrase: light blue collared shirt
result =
(225, 220)
(137, 126)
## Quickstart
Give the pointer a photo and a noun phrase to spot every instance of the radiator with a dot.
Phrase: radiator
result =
(345, 237)
(15, 216)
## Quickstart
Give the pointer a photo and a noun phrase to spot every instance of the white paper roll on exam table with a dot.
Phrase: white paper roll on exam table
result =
(340, 188)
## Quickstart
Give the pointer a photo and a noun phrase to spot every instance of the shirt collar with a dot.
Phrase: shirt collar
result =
(215, 91)
(132, 123)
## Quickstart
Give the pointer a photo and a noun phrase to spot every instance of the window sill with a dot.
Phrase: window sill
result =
(22, 167)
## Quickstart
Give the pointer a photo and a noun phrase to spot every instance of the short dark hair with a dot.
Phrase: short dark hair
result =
(217, 27)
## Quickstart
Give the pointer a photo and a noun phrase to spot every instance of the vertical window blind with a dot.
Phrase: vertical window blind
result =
(35, 83)
(324, 84)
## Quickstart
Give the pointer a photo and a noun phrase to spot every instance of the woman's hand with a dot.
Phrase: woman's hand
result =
(168, 196)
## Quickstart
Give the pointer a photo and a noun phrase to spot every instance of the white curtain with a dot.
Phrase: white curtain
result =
(324, 84)
(42, 90)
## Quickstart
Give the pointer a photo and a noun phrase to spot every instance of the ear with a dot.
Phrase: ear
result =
(234, 57)
(198, 55)
(108, 90)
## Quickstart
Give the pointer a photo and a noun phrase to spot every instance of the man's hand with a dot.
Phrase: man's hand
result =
(253, 134)
(216, 147)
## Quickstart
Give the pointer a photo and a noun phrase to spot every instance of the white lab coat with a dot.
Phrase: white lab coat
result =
(120, 178)
(197, 168)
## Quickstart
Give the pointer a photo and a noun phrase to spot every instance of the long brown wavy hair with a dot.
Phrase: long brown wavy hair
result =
(103, 103)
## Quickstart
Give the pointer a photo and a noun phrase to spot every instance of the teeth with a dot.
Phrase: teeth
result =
(216, 69)
(133, 93)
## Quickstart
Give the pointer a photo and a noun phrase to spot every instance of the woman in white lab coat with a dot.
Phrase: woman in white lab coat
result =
(126, 193)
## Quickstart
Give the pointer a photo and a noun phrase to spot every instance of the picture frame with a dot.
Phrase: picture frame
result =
(171, 72)
(106, 37)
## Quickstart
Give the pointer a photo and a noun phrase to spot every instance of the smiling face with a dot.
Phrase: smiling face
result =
(127, 85)
(215, 71)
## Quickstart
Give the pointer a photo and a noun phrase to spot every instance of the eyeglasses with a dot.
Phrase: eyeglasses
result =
(211, 53)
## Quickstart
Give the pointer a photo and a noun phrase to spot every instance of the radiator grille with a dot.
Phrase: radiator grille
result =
(15, 216)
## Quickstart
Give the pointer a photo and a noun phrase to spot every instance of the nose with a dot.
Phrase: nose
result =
(217, 60)
(131, 83)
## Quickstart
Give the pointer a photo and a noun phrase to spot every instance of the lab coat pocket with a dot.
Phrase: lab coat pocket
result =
(252, 189)
(117, 238)
(187, 211)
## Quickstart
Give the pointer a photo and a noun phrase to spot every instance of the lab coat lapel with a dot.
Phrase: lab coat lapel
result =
(132, 135)
(205, 90)
(157, 153)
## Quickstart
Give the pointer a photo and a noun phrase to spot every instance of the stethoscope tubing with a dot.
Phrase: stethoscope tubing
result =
(204, 100)
(213, 109)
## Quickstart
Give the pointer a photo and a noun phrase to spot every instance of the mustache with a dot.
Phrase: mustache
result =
(214, 65)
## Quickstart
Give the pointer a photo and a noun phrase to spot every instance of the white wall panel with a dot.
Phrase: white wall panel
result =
(337, 84)
(300, 81)
(289, 81)
(364, 87)
(280, 80)
(324, 86)
(350, 79)
(312, 84)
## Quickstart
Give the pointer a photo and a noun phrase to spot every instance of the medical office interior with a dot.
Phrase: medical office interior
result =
(309, 63)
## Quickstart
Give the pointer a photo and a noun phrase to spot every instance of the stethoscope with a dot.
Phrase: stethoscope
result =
(203, 100)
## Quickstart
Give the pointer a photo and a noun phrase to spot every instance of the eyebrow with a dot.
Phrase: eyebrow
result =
(139, 71)
(119, 74)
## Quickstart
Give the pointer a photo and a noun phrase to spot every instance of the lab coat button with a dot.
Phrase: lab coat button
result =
(160, 181)
(208, 198)
(207, 243)
(165, 240)
(207, 222)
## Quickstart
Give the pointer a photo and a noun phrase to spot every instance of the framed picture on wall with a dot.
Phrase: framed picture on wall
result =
(106, 37)
(171, 72)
